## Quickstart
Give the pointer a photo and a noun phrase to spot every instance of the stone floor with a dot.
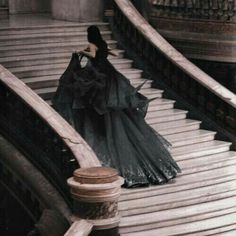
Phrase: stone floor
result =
(23, 20)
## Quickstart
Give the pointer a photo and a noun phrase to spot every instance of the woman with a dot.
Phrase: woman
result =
(109, 114)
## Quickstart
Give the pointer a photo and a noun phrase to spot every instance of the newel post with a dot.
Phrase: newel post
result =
(95, 193)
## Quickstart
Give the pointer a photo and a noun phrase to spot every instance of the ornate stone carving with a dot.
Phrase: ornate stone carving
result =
(97, 210)
(200, 9)
(95, 192)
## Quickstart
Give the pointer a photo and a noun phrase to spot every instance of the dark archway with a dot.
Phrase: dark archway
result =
(25, 194)
(14, 220)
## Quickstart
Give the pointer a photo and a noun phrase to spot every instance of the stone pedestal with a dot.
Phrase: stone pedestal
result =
(96, 192)
(78, 10)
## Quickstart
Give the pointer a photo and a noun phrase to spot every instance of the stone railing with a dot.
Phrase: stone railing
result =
(37, 129)
(171, 68)
(200, 9)
(57, 150)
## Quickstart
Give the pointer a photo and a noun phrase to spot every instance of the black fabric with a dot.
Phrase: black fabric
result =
(109, 114)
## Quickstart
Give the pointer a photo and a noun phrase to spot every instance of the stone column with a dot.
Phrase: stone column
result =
(78, 10)
(95, 192)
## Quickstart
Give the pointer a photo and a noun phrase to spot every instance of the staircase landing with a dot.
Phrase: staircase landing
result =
(201, 200)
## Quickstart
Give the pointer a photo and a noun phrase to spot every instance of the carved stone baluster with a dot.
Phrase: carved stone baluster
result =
(205, 9)
(161, 6)
(231, 119)
(174, 80)
(230, 8)
(96, 192)
(225, 9)
(174, 7)
(201, 98)
(211, 105)
(213, 9)
(192, 92)
(221, 114)
(188, 8)
(184, 86)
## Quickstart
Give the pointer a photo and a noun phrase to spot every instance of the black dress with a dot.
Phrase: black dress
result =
(108, 112)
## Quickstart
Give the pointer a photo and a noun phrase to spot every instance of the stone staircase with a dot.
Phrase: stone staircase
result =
(201, 201)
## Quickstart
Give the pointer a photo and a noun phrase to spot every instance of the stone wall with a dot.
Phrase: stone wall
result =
(29, 6)
(78, 10)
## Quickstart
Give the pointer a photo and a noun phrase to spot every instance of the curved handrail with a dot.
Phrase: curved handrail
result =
(80, 149)
(172, 54)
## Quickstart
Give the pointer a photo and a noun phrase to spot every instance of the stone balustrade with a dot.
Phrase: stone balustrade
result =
(222, 10)
(169, 69)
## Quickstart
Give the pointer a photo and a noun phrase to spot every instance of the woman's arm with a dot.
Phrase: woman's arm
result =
(90, 51)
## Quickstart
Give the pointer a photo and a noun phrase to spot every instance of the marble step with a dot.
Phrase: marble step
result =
(179, 199)
(166, 115)
(118, 63)
(48, 92)
(137, 82)
(216, 164)
(190, 137)
(200, 149)
(207, 160)
(224, 173)
(151, 94)
(53, 35)
(48, 58)
(58, 69)
(144, 86)
(52, 80)
(48, 38)
(160, 104)
(226, 231)
(175, 127)
(153, 206)
(177, 216)
(132, 73)
(187, 180)
(16, 50)
(212, 225)
(49, 28)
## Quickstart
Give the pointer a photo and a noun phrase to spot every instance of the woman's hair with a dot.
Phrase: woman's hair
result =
(94, 36)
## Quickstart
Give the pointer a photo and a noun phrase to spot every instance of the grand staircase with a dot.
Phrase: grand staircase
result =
(201, 201)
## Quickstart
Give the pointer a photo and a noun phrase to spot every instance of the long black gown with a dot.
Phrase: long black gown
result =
(109, 114)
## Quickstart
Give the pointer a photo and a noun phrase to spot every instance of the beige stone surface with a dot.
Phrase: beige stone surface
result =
(77, 10)
(27, 6)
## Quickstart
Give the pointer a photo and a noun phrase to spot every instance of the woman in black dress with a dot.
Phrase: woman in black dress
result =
(109, 114)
